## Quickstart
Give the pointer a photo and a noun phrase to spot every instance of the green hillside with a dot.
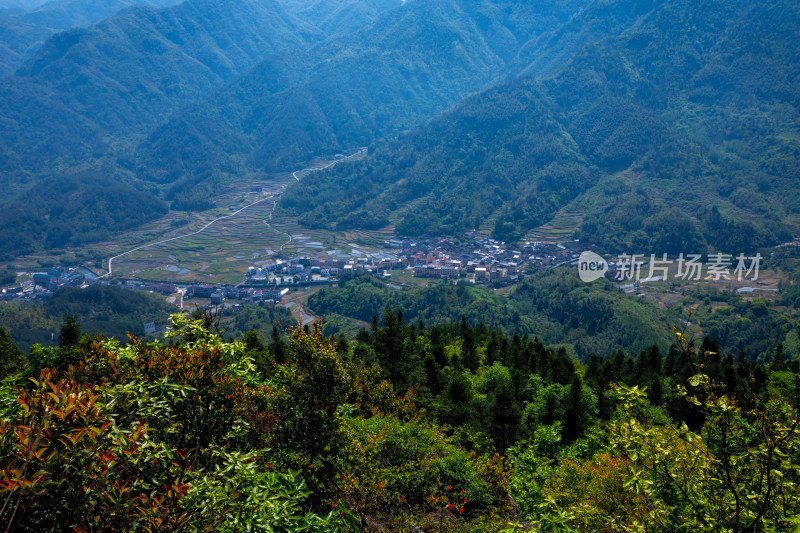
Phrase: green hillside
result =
(24, 31)
(659, 136)
(164, 102)
(124, 73)
(86, 90)
(102, 310)
(406, 67)
(553, 305)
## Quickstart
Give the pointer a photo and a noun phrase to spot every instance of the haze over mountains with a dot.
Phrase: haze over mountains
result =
(683, 110)
(637, 115)
(25, 26)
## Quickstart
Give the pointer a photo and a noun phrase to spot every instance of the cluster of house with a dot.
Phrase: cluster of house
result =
(545, 254)
(42, 285)
(218, 293)
(481, 260)
(312, 270)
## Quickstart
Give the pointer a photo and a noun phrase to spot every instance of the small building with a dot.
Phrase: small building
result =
(42, 280)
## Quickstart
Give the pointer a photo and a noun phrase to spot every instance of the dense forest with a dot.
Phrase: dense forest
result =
(110, 311)
(586, 318)
(444, 428)
(24, 28)
(553, 304)
(658, 137)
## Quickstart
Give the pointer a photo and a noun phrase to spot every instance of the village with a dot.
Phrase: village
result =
(480, 260)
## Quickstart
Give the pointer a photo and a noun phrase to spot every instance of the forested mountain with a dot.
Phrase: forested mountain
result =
(339, 16)
(125, 73)
(23, 32)
(664, 125)
(684, 124)
(23, 29)
(597, 21)
(409, 65)
(89, 95)
(87, 89)
(109, 311)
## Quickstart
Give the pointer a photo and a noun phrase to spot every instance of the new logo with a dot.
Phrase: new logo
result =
(591, 266)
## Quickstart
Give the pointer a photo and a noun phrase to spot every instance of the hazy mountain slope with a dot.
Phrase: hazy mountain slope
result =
(25, 31)
(598, 21)
(725, 108)
(67, 14)
(498, 147)
(410, 64)
(128, 71)
(8, 58)
(20, 4)
(18, 39)
(686, 109)
(88, 89)
(87, 95)
(339, 17)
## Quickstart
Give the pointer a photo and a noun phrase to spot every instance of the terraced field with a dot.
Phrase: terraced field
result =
(219, 245)
(559, 229)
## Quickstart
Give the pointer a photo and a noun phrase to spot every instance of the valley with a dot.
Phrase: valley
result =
(478, 266)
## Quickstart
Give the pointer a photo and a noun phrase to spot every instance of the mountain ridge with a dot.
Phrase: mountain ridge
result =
(624, 104)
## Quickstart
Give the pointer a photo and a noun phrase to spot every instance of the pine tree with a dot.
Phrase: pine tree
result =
(504, 416)
(70, 332)
(278, 348)
(252, 342)
(12, 360)
(572, 427)
(778, 359)
(469, 351)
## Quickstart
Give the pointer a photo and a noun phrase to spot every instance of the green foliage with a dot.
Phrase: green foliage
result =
(553, 304)
(391, 459)
(259, 319)
(99, 309)
(156, 437)
(395, 429)
(9, 277)
(737, 474)
(312, 387)
(12, 360)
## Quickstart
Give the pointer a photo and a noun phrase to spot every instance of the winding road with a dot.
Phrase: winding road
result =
(164, 241)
